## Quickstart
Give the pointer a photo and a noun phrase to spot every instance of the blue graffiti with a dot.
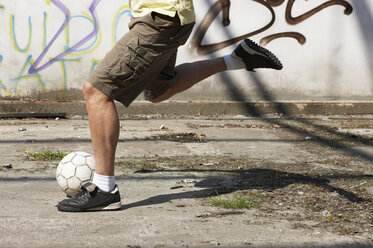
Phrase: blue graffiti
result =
(95, 63)
(128, 12)
(34, 68)
(45, 17)
(63, 65)
(22, 50)
(66, 11)
(68, 35)
(23, 75)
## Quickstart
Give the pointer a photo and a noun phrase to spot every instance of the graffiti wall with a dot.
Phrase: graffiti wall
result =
(50, 46)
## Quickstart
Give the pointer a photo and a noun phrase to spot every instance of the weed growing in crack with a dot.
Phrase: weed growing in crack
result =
(46, 155)
(237, 201)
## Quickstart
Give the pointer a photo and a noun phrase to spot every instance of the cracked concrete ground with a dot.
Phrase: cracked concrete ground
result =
(312, 178)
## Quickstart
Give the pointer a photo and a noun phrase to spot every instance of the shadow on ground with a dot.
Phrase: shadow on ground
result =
(263, 179)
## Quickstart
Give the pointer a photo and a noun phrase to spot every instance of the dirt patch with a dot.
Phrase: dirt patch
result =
(323, 199)
(178, 137)
(219, 214)
(234, 125)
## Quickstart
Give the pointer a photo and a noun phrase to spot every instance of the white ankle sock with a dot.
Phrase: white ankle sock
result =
(105, 183)
(233, 63)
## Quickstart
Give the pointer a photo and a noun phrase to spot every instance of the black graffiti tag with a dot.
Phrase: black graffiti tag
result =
(295, 20)
(224, 7)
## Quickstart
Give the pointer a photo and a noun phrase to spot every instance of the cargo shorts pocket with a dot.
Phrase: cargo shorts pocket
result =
(130, 62)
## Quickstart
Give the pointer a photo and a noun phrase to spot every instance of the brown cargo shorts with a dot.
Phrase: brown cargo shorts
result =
(142, 60)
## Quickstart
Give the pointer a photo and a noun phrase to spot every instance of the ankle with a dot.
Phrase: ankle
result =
(105, 183)
(233, 63)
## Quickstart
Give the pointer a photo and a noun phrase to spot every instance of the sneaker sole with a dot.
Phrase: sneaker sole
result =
(253, 48)
(111, 207)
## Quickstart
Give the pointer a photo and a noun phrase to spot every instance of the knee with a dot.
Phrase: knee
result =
(87, 90)
(93, 95)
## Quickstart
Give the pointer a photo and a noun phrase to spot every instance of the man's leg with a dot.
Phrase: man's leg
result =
(104, 126)
(248, 55)
(189, 74)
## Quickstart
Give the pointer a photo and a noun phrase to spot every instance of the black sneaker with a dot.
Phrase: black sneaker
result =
(91, 198)
(255, 56)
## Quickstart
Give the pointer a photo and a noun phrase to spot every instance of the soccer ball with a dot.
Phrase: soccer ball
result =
(74, 170)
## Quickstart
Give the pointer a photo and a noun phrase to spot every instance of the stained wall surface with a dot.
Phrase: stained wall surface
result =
(48, 47)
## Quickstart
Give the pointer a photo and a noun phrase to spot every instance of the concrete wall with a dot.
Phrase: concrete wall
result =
(48, 47)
